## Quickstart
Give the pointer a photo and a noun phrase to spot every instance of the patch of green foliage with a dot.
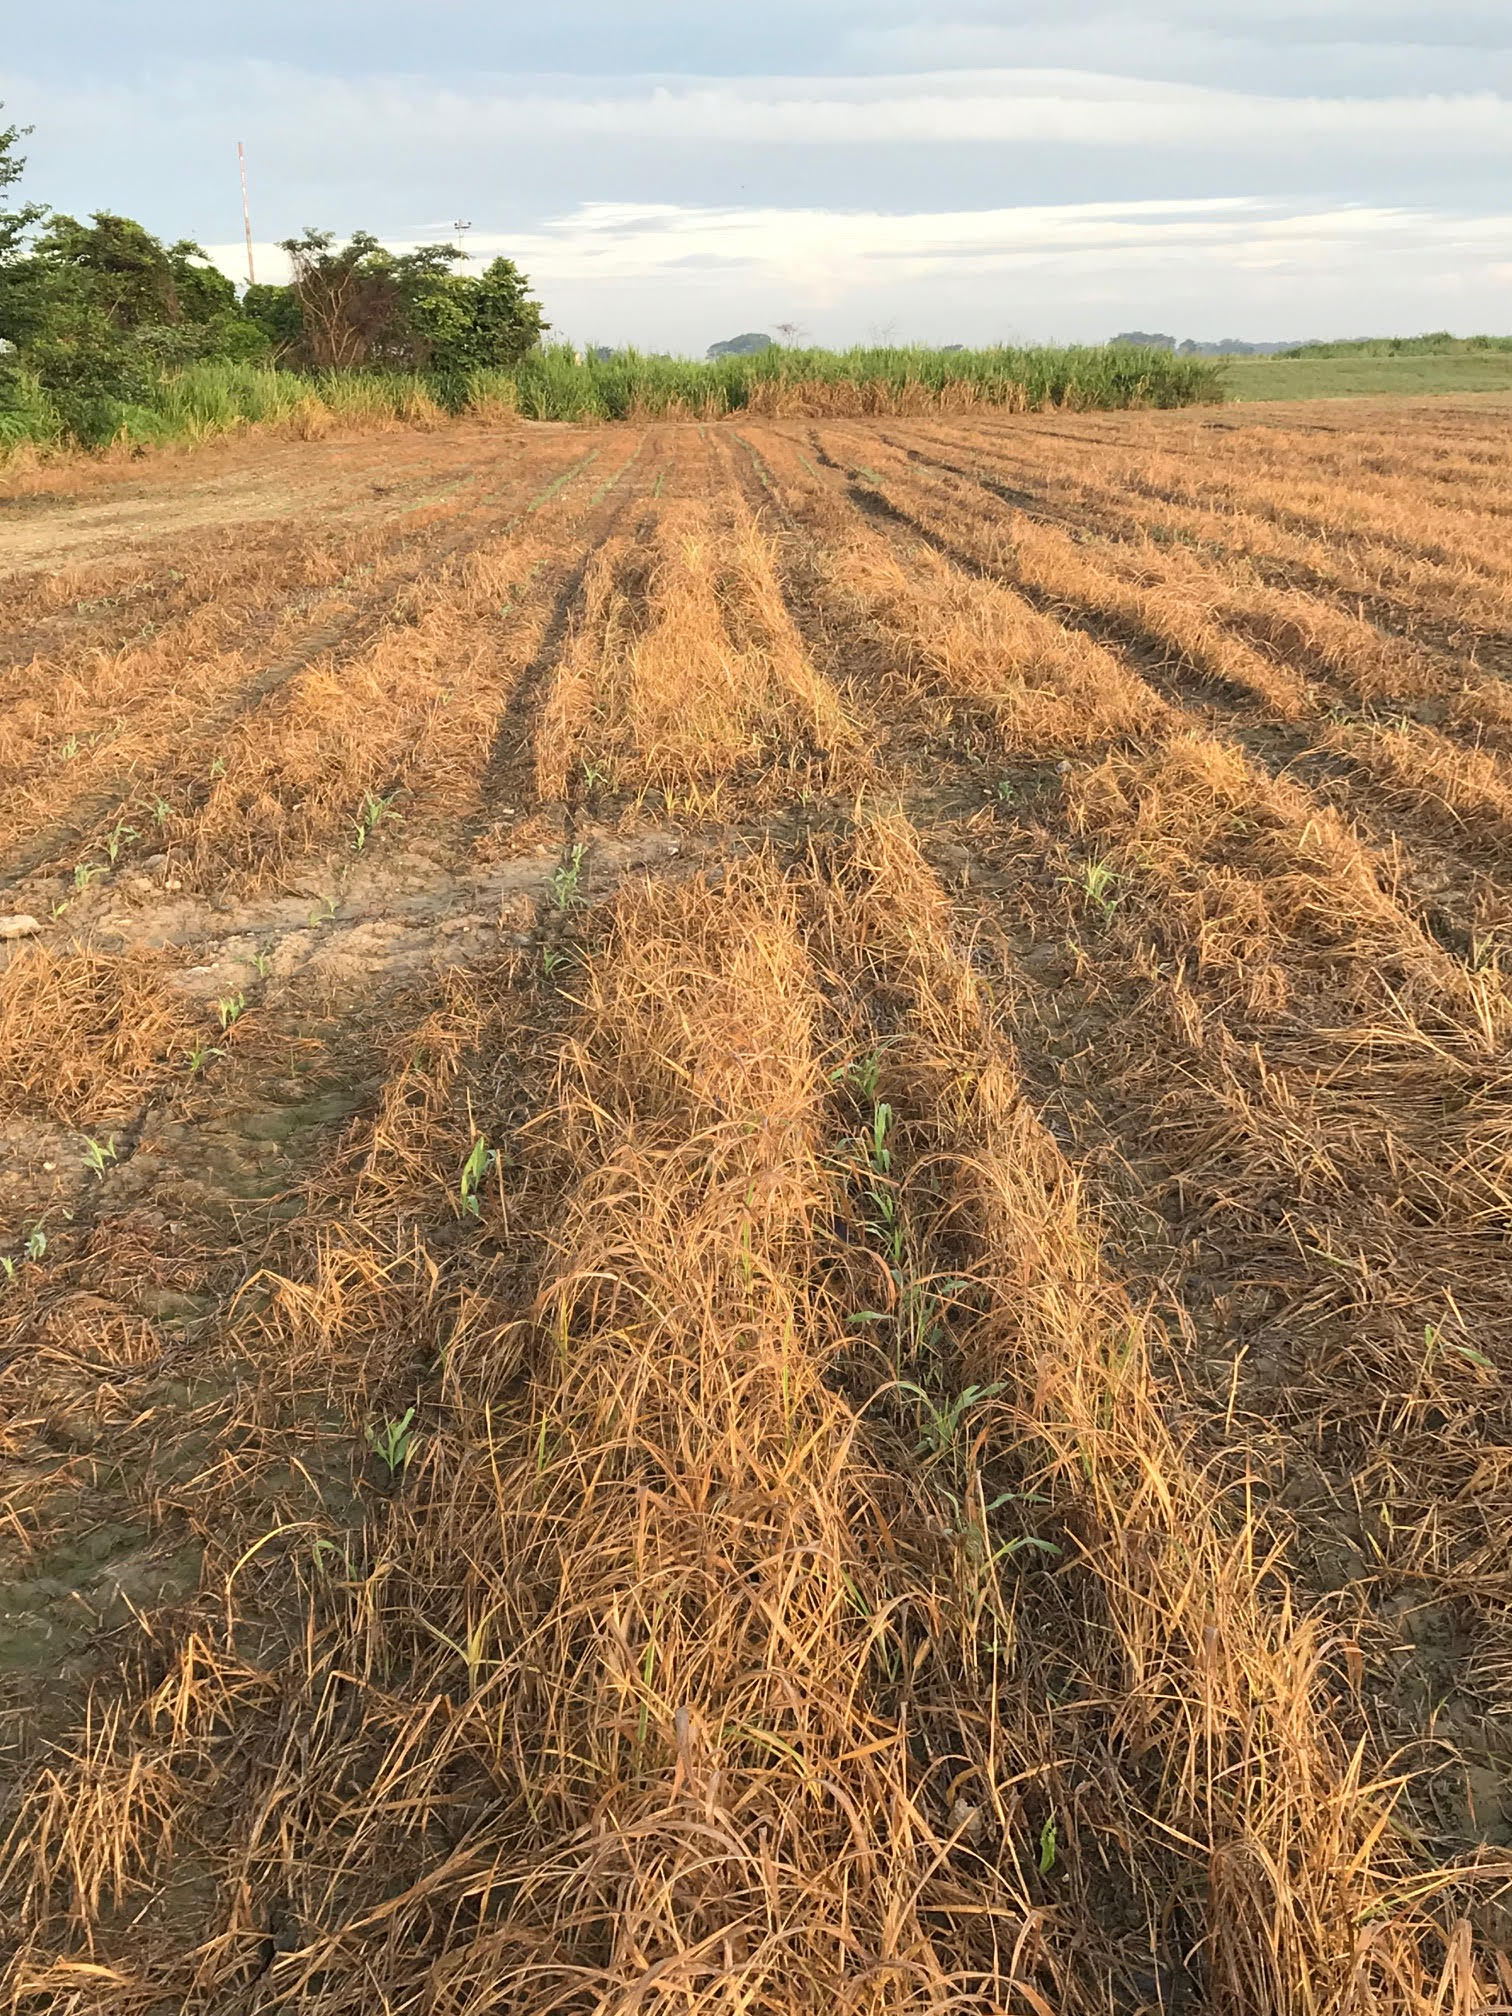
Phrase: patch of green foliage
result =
(100, 312)
(360, 306)
(107, 333)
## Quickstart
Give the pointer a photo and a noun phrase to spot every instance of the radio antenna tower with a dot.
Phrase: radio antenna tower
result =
(241, 159)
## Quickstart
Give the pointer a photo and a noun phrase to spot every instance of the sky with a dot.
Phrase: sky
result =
(972, 171)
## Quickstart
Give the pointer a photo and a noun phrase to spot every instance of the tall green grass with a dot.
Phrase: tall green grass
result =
(556, 383)
(209, 399)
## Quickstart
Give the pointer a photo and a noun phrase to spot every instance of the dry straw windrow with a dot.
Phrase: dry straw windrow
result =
(128, 752)
(329, 751)
(685, 669)
(1317, 1089)
(84, 1032)
(706, 1646)
(1222, 622)
(922, 627)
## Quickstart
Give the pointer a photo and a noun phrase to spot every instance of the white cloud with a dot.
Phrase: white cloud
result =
(950, 107)
(308, 114)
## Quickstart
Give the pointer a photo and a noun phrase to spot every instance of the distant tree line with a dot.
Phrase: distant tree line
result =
(1228, 346)
(1436, 343)
(94, 314)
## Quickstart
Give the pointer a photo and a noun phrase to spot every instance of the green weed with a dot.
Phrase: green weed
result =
(119, 835)
(475, 1170)
(375, 811)
(394, 1443)
(565, 882)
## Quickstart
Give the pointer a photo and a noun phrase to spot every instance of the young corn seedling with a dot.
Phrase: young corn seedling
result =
(971, 1525)
(231, 1009)
(1435, 1342)
(480, 1160)
(876, 1161)
(375, 811)
(861, 1075)
(35, 1247)
(97, 1155)
(569, 874)
(394, 1443)
(86, 871)
(940, 1421)
(1099, 886)
(119, 836)
(471, 1650)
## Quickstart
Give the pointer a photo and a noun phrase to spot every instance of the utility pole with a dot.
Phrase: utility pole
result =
(241, 158)
(462, 225)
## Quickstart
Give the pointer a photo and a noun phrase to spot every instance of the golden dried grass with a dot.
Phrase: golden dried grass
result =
(83, 1032)
(1146, 483)
(1048, 688)
(708, 1650)
(1152, 600)
(324, 755)
(1415, 765)
(1192, 1641)
(685, 670)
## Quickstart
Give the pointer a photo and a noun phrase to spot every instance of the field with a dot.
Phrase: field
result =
(757, 1198)
(1357, 376)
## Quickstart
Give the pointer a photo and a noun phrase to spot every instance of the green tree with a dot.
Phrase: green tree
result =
(274, 311)
(351, 312)
(205, 295)
(491, 323)
(16, 220)
(113, 265)
(99, 311)
(14, 223)
(361, 305)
